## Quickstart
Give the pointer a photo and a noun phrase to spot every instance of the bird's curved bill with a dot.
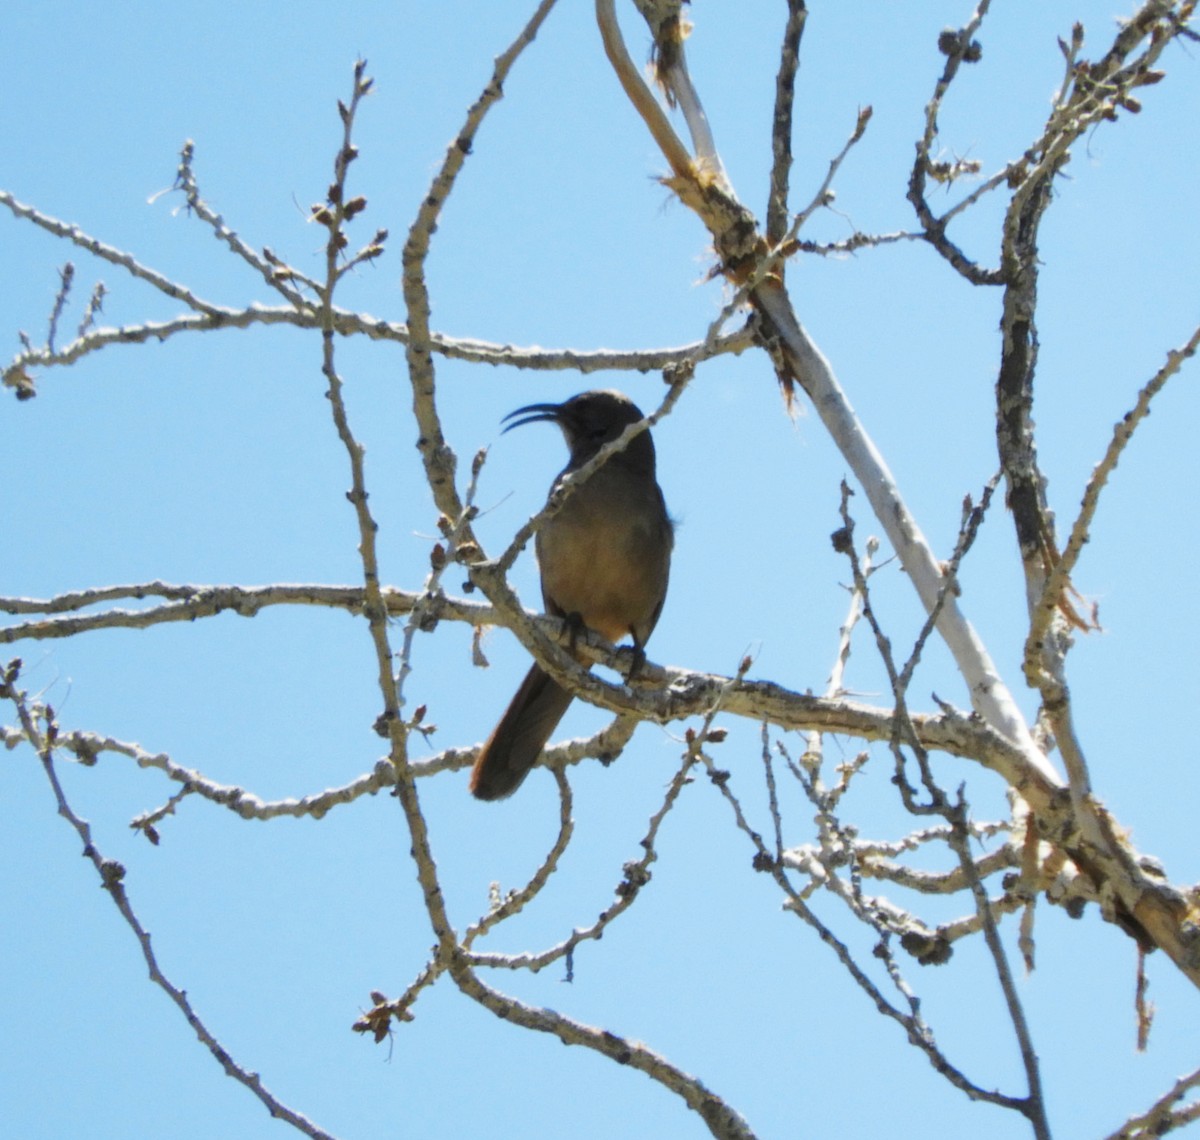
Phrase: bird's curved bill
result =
(533, 413)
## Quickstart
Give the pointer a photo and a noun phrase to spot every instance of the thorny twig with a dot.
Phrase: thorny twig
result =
(1060, 574)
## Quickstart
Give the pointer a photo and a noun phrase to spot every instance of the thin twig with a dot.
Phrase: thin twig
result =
(1162, 1117)
(1059, 576)
(185, 181)
(515, 901)
(66, 277)
(912, 1022)
(40, 729)
(1034, 1107)
(959, 47)
(635, 875)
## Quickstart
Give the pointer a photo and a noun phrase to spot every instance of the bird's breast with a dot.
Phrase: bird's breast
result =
(605, 555)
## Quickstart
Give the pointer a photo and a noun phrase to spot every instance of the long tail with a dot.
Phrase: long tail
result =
(517, 741)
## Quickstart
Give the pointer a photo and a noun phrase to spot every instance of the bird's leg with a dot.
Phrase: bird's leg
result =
(575, 626)
(639, 657)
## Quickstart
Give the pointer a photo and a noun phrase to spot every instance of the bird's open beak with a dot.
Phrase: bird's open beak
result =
(533, 413)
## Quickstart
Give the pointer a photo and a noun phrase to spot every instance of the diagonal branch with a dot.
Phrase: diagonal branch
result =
(739, 244)
(112, 877)
(722, 1120)
(105, 252)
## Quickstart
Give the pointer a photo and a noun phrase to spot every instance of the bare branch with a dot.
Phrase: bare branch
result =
(781, 121)
(39, 727)
(635, 875)
(515, 901)
(639, 94)
(347, 323)
(665, 694)
(1034, 1107)
(66, 276)
(911, 1021)
(824, 195)
(439, 460)
(1163, 1117)
(722, 1120)
(958, 46)
(108, 253)
(741, 248)
(1059, 576)
(185, 181)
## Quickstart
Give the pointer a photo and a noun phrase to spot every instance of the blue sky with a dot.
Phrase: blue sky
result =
(214, 460)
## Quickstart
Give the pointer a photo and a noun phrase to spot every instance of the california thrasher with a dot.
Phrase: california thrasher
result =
(604, 557)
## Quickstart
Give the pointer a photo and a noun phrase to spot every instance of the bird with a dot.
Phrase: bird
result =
(605, 560)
